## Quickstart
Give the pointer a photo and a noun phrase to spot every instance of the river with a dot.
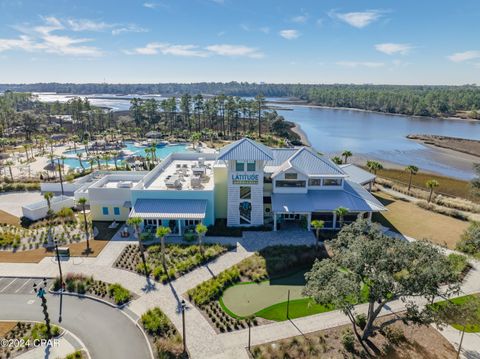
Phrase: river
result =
(366, 134)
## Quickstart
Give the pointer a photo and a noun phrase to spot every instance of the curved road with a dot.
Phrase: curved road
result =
(105, 331)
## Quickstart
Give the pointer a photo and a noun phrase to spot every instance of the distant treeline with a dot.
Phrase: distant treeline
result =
(408, 100)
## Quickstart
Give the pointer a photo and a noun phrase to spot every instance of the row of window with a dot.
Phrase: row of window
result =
(311, 182)
(106, 211)
(244, 166)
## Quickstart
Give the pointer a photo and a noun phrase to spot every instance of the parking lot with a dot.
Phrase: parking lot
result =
(9, 285)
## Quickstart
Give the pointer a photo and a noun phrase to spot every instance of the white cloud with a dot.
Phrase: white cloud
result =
(464, 56)
(358, 19)
(155, 5)
(265, 29)
(289, 34)
(128, 28)
(44, 38)
(392, 48)
(300, 19)
(234, 50)
(88, 25)
(354, 64)
(155, 48)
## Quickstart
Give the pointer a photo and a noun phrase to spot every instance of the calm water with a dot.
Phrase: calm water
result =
(368, 134)
(162, 152)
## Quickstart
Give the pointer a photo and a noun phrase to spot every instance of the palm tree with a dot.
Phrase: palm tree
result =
(48, 196)
(9, 164)
(195, 137)
(83, 201)
(317, 225)
(260, 101)
(79, 155)
(162, 232)
(432, 184)
(135, 223)
(413, 171)
(347, 154)
(337, 160)
(115, 159)
(341, 213)
(201, 229)
(374, 166)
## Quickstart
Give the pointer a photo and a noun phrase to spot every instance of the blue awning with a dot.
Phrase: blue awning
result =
(169, 208)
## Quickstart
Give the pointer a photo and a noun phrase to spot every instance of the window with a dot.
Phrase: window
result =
(267, 179)
(267, 200)
(239, 166)
(315, 182)
(290, 176)
(251, 166)
(105, 211)
(245, 192)
(116, 211)
(332, 182)
(191, 222)
(290, 184)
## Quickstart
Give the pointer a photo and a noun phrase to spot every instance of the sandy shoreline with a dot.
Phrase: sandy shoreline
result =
(303, 137)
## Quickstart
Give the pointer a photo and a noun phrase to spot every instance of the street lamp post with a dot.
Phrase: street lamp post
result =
(60, 173)
(183, 326)
(61, 279)
(41, 292)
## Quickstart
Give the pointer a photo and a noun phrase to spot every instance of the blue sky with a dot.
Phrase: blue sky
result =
(302, 41)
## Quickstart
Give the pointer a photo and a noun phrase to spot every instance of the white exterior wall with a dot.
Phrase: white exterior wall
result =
(38, 210)
(281, 177)
(233, 193)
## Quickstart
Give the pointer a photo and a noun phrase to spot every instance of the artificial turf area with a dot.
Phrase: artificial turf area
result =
(268, 299)
(460, 301)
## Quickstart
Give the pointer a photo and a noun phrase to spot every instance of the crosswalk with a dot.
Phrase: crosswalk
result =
(10, 285)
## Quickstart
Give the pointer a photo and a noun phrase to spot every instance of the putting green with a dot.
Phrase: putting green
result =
(249, 298)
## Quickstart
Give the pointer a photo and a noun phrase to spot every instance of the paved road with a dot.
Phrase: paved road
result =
(105, 331)
(12, 285)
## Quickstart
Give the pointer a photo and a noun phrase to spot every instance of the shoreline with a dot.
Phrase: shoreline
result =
(309, 105)
(303, 136)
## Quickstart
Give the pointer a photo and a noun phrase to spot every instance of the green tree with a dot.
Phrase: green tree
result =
(135, 222)
(412, 170)
(317, 225)
(162, 232)
(48, 197)
(341, 212)
(83, 201)
(431, 184)
(9, 164)
(470, 241)
(337, 160)
(201, 229)
(346, 154)
(390, 268)
(475, 183)
(259, 103)
(79, 155)
(374, 166)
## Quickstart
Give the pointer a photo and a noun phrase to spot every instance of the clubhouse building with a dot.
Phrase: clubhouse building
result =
(244, 184)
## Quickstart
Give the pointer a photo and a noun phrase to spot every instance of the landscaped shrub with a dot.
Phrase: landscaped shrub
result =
(394, 335)
(155, 322)
(361, 320)
(39, 331)
(459, 264)
(348, 341)
(442, 210)
(8, 239)
(213, 288)
(470, 242)
(119, 294)
(76, 355)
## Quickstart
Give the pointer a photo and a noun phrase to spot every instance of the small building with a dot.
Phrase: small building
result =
(38, 210)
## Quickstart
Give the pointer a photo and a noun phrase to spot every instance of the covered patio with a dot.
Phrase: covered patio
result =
(322, 204)
(174, 213)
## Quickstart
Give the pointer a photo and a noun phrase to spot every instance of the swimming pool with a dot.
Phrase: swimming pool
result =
(161, 152)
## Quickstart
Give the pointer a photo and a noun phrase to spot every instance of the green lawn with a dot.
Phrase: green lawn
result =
(461, 301)
(298, 308)
(268, 299)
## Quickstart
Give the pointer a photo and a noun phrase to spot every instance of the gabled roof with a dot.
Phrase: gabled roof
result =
(357, 174)
(169, 208)
(305, 161)
(353, 196)
(246, 150)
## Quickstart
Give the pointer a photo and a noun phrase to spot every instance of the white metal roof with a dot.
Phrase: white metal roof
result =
(353, 196)
(169, 208)
(305, 161)
(357, 174)
(246, 150)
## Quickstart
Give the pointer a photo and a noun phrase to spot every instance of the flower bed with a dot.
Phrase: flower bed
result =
(269, 263)
(180, 259)
(24, 333)
(81, 284)
(162, 334)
